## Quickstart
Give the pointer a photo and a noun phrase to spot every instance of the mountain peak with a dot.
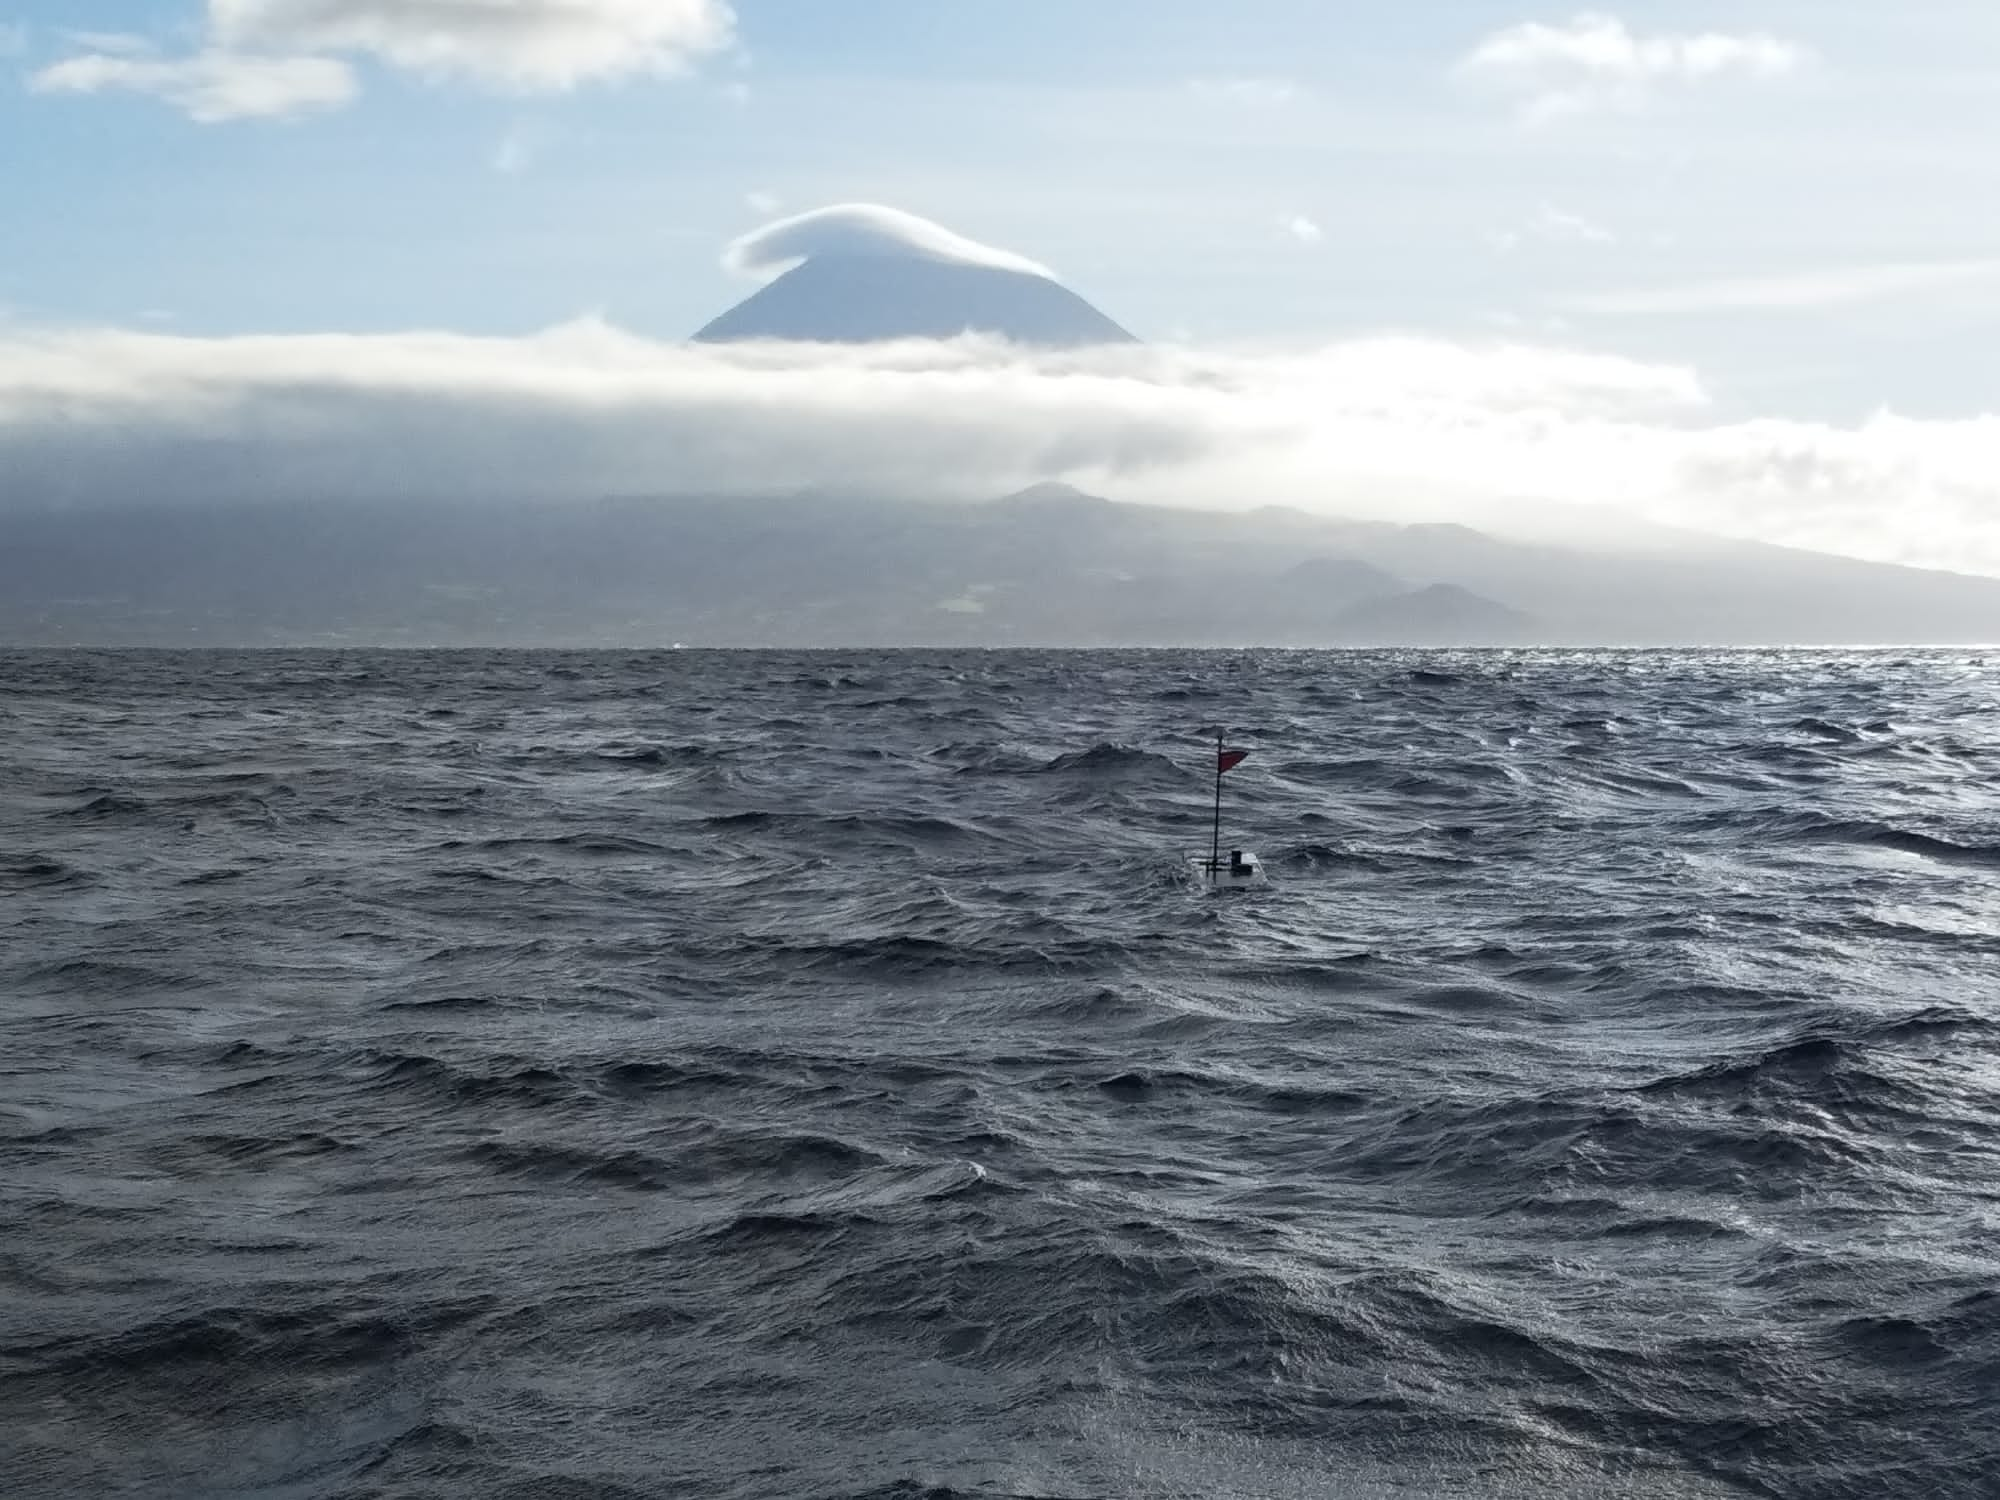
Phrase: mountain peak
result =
(1053, 494)
(868, 298)
(862, 273)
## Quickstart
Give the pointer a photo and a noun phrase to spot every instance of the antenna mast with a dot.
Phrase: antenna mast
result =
(1215, 840)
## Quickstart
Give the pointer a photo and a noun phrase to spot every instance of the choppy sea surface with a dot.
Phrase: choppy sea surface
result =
(758, 1074)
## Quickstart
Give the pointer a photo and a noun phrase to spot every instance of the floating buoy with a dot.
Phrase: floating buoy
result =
(1238, 867)
(1241, 867)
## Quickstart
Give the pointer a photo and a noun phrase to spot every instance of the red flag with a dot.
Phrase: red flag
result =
(1228, 760)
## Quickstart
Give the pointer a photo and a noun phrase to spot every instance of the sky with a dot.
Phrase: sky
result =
(1730, 265)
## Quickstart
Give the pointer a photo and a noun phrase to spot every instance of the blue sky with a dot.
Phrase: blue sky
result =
(1791, 199)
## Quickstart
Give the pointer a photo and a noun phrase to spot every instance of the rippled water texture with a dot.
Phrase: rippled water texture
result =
(737, 1074)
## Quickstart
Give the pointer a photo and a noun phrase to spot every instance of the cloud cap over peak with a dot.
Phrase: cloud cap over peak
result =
(869, 230)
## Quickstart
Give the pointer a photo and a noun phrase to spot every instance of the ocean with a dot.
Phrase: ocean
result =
(745, 1074)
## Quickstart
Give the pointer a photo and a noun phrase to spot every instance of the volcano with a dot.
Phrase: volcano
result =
(860, 299)
(863, 274)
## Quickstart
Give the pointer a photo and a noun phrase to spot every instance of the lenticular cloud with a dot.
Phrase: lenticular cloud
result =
(864, 229)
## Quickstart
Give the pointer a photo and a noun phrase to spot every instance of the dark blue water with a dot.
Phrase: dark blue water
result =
(738, 1074)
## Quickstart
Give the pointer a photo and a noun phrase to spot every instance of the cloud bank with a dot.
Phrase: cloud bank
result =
(1596, 62)
(268, 59)
(863, 229)
(1416, 429)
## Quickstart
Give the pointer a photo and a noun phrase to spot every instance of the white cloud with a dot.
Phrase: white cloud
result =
(516, 44)
(1892, 489)
(1302, 229)
(863, 229)
(1552, 226)
(760, 202)
(1596, 62)
(117, 43)
(268, 58)
(519, 148)
(210, 86)
(1388, 426)
(1254, 93)
(1801, 290)
(1573, 229)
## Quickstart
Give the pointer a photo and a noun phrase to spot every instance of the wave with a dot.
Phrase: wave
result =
(631, 1170)
(264, 1150)
(104, 806)
(1108, 760)
(974, 759)
(1868, 833)
(302, 1335)
(846, 827)
(910, 956)
(41, 872)
(1146, 1085)
(1835, 1070)
(587, 845)
(622, 756)
(496, 1081)
(1750, 827)
(1314, 856)
(104, 978)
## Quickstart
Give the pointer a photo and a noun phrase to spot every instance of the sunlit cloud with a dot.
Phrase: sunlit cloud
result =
(117, 43)
(209, 87)
(1302, 229)
(1552, 226)
(526, 44)
(1596, 62)
(1570, 229)
(1253, 93)
(272, 58)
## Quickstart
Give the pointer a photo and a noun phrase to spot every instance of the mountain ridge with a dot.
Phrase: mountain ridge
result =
(1046, 566)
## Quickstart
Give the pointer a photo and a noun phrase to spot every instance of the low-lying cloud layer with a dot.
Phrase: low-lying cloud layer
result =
(864, 229)
(1384, 427)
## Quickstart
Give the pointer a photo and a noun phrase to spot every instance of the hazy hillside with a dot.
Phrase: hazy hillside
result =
(1050, 566)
